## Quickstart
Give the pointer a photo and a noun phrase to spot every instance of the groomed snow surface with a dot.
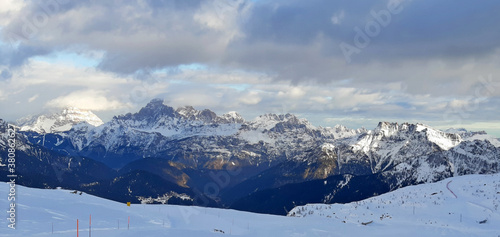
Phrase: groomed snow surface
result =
(423, 210)
(452, 207)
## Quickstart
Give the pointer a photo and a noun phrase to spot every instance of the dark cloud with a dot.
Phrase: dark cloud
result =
(6, 74)
(294, 41)
(299, 22)
(133, 35)
(444, 29)
(422, 30)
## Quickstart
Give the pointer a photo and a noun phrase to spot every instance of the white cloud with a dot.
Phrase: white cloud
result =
(219, 76)
(197, 97)
(351, 97)
(293, 92)
(338, 17)
(33, 98)
(87, 99)
(9, 9)
(222, 16)
(38, 73)
(459, 103)
(251, 98)
(321, 99)
(41, 85)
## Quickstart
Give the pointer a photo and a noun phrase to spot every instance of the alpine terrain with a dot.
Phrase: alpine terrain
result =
(270, 164)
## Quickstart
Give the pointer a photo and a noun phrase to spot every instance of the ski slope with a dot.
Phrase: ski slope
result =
(452, 207)
(423, 210)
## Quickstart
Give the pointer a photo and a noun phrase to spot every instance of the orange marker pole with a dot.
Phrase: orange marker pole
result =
(76, 227)
(128, 225)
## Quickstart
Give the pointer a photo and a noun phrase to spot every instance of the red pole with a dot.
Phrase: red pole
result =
(128, 225)
(76, 227)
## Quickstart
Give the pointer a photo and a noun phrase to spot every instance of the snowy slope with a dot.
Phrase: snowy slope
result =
(40, 209)
(452, 207)
(391, 213)
(59, 122)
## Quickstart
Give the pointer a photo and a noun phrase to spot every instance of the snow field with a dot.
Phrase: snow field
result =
(422, 210)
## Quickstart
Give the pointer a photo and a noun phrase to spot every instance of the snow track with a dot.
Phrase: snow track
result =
(448, 187)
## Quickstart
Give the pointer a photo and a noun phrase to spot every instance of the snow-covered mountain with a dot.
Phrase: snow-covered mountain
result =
(187, 146)
(160, 130)
(384, 159)
(37, 166)
(460, 206)
(59, 122)
(422, 210)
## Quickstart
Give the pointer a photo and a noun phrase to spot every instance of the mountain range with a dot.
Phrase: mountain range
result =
(269, 164)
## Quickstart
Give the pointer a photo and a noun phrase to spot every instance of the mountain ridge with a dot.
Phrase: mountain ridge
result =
(195, 148)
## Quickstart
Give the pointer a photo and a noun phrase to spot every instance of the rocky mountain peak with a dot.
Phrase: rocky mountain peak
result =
(279, 118)
(288, 121)
(387, 128)
(187, 111)
(152, 112)
(207, 116)
(340, 128)
(233, 117)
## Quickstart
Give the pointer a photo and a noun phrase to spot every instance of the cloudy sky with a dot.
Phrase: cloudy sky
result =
(332, 62)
